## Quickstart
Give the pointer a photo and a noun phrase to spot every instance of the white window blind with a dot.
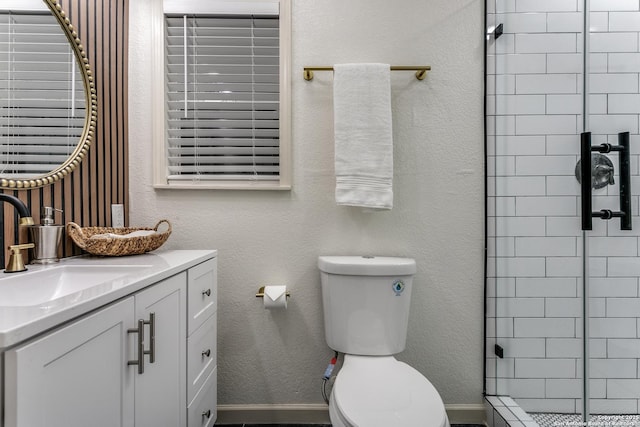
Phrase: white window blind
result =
(222, 97)
(42, 104)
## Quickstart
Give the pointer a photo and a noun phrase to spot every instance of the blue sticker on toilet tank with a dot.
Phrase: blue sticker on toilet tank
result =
(398, 287)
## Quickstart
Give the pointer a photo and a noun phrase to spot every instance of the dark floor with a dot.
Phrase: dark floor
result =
(320, 425)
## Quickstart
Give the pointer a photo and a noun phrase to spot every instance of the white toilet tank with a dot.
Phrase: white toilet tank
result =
(366, 303)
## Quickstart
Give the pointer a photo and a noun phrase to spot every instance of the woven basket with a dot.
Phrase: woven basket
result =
(117, 246)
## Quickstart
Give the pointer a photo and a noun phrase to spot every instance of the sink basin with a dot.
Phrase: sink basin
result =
(38, 287)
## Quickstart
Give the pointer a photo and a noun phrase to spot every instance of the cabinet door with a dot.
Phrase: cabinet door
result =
(76, 376)
(161, 389)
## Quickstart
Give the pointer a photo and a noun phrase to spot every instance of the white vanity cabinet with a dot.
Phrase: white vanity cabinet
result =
(95, 371)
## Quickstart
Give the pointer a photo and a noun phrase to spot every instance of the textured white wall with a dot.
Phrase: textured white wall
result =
(276, 237)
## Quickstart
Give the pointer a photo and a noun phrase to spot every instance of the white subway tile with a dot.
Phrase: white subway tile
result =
(613, 5)
(520, 104)
(546, 43)
(519, 387)
(530, 63)
(564, 22)
(519, 307)
(623, 307)
(598, 389)
(501, 166)
(563, 226)
(520, 267)
(546, 246)
(597, 347)
(564, 347)
(545, 165)
(564, 267)
(504, 125)
(597, 307)
(563, 307)
(546, 6)
(612, 83)
(540, 125)
(598, 22)
(612, 42)
(624, 267)
(543, 328)
(613, 246)
(501, 246)
(623, 388)
(520, 226)
(546, 83)
(614, 406)
(612, 368)
(564, 63)
(624, 103)
(520, 186)
(515, 23)
(612, 328)
(523, 347)
(598, 104)
(563, 144)
(613, 287)
(502, 206)
(598, 63)
(546, 287)
(563, 186)
(505, 44)
(505, 84)
(505, 6)
(624, 21)
(597, 266)
(564, 104)
(623, 348)
(501, 287)
(545, 368)
(568, 388)
(520, 145)
(609, 124)
(546, 206)
(624, 63)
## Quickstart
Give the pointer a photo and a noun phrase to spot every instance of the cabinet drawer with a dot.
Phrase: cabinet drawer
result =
(203, 293)
(202, 411)
(201, 356)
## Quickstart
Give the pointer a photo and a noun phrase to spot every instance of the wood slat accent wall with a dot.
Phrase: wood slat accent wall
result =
(87, 193)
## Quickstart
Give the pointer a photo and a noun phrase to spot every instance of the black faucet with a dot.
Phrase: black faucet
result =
(23, 211)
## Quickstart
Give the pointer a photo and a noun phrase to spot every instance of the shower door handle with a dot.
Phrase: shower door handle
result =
(625, 181)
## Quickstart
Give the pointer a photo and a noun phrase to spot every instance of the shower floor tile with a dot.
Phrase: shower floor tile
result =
(575, 420)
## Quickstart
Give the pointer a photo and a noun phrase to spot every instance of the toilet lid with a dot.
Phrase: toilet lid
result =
(382, 392)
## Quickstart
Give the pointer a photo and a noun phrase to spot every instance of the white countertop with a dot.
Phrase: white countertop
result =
(19, 323)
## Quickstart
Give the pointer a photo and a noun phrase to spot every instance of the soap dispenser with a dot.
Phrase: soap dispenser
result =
(46, 237)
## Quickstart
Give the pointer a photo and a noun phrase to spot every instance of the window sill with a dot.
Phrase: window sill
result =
(242, 185)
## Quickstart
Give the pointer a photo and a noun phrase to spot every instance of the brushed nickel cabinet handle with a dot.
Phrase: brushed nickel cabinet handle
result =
(152, 337)
(140, 360)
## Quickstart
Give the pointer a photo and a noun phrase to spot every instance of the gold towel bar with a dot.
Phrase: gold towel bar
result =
(421, 70)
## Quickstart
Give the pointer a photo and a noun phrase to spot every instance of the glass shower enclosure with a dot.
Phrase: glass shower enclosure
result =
(563, 265)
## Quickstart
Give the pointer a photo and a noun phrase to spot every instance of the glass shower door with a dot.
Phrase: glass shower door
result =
(549, 89)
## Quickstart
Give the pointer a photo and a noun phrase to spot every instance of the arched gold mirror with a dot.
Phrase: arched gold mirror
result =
(48, 104)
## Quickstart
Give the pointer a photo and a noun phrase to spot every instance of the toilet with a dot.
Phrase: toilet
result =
(366, 312)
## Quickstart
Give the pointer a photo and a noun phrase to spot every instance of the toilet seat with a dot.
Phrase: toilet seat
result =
(380, 391)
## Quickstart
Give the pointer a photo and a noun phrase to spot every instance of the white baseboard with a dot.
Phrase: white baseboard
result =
(319, 414)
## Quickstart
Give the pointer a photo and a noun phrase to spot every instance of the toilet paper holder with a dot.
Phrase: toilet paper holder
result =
(260, 293)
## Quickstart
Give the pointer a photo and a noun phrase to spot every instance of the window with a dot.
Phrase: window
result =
(226, 105)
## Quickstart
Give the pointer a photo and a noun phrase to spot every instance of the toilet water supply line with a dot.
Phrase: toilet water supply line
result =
(327, 376)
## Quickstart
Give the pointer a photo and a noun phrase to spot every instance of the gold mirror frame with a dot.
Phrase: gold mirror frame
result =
(90, 119)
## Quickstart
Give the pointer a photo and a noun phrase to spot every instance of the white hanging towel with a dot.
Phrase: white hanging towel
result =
(363, 135)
